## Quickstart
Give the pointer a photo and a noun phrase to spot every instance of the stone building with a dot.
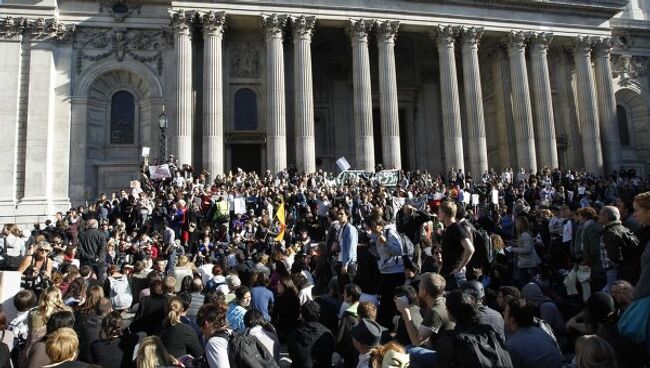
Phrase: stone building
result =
(416, 84)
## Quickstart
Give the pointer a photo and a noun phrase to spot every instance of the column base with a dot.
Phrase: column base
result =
(32, 210)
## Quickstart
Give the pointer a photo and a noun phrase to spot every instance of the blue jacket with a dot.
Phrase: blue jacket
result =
(348, 243)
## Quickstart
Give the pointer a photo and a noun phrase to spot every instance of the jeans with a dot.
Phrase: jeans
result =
(422, 357)
(612, 276)
(455, 280)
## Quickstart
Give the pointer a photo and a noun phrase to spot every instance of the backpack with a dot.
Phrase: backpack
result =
(544, 326)
(483, 251)
(480, 347)
(408, 249)
(244, 351)
(212, 285)
(121, 296)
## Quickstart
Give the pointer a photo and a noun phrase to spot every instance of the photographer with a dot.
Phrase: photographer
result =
(37, 269)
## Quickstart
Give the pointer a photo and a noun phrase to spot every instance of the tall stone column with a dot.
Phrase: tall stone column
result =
(276, 136)
(181, 22)
(544, 119)
(474, 101)
(588, 111)
(524, 131)
(303, 28)
(11, 70)
(445, 37)
(607, 105)
(213, 27)
(390, 142)
(358, 30)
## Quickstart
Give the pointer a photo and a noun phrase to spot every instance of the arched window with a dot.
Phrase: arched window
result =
(245, 110)
(623, 127)
(123, 118)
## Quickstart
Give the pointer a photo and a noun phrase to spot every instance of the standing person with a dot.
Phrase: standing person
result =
(615, 255)
(13, 246)
(92, 249)
(457, 248)
(347, 243)
(388, 248)
(642, 288)
(527, 258)
(590, 233)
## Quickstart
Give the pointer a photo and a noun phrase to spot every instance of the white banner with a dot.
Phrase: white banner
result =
(388, 178)
(240, 205)
(495, 196)
(159, 172)
(475, 199)
(343, 164)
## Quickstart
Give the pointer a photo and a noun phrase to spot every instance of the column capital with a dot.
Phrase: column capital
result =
(582, 46)
(541, 40)
(42, 29)
(180, 21)
(358, 29)
(214, 23)
(387, 30)
(471, 36)
(516, 40)
(303, 27)
(603, 46)
(445, 36)
(274, 24)
(12, 28)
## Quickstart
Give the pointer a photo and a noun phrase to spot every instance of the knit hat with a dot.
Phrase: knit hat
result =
(367, 332)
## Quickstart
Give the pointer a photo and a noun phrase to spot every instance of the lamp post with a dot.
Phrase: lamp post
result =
(162, 120)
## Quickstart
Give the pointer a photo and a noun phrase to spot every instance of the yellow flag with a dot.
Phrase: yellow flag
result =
(281, 219)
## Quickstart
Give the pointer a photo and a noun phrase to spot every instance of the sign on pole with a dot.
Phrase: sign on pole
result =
(159, 172)
(343, 164)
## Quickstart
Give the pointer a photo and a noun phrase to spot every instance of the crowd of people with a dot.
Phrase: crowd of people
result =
(517, 269)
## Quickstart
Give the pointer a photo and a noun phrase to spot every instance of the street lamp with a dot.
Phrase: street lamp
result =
(162, 120)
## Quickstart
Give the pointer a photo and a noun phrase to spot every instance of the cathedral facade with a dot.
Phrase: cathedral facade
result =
(87, 87)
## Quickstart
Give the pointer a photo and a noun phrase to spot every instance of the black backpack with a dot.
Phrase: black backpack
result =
(244, 351)
(483, 252)
(480, 347)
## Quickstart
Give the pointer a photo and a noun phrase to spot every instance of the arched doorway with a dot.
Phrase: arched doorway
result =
(634, 129)
(114, 115)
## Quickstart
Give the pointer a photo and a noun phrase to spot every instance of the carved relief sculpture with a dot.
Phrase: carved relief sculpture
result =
(245, 60)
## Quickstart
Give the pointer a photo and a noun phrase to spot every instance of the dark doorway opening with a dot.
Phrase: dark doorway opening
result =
(404, 140)
(247, 157)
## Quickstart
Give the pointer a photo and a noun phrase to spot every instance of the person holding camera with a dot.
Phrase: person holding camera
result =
(37, 268)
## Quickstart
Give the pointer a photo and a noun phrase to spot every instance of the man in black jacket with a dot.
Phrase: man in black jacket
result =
(311, 345)
(92, 249)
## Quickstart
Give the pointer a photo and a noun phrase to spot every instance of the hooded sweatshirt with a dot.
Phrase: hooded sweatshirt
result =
(311, 346)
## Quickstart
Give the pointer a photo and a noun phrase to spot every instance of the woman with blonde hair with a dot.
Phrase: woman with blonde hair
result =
(152, 354)
(179, 339)
(61, 347)
(49, 303)
(37, 268)
(594, 352)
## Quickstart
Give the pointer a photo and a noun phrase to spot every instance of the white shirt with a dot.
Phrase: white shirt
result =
(216, 352)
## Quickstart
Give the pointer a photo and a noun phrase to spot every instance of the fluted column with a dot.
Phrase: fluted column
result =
(276, 137)
(544, 119)
(304, 89)
(181, 22)
(358, 30)
(607, 104)
(588, 111)
(390, 142)
(474, 101)
(451, 124)
(524, 131)
(213, 27)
